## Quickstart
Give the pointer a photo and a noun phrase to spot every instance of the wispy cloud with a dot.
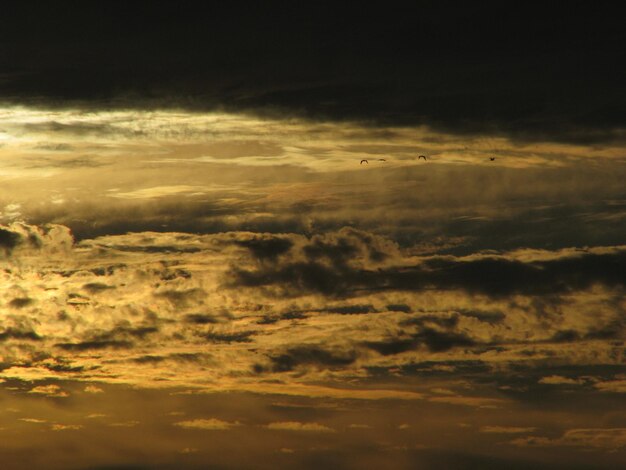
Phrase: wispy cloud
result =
(52, 391)
(211, 424)
(506, 429)
(299, 427)
(592, 438)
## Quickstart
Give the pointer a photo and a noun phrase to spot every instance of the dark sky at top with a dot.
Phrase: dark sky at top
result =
(529, 72)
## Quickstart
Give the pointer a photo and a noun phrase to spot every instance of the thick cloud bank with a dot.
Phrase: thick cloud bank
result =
(337, 304)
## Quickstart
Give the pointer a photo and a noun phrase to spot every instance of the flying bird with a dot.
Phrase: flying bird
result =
(362, 161)
(382, 160)
(422, 156)
(492, 158)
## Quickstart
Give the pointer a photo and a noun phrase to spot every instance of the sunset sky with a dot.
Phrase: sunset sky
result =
(198, 269)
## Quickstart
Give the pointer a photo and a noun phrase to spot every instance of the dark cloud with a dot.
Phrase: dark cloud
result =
(20, 302)
(200, 318)
(491, 317)
(352, 309)
(433, 339)
(547, 227)
(195, 358)
(294, 279)
(96, 287)
(612, 330)
(334, 262)
(123, 335)
(565, 336)
(89, 345)
(438, 341)
(468, 461)
(149, 359)
(267, 247)
(615, 329)
(236, 337)
(175, 274)
(467, 68)
(443, 321)
(108, 270)
(503, 277)
(345, 268)
(310, 355)
(392, 346)
(21, 333)
(356, 309)
(293, 315)
(399, 308)
(8, 240)
(182, 298)
(155, 249)
(64, 367)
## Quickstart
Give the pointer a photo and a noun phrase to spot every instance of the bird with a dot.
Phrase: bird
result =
(364, 161)
(382, 160)
(492, 158)
(422, 156)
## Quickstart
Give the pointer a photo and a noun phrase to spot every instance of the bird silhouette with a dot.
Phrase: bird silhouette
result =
(382, 160)
(364, 161)
(422, 156)
(492, 158)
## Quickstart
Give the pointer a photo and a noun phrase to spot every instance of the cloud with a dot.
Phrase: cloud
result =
(360, 426)
(299, 427)
(94, 345)
(560, 380)
(200, 318)
(477, 402)
(66, 427)
(124, 424)
(357, 309)
(235, 337)
(20, 333)
(310, 355)
(25, 238)
(95, 287)
(182, 298)
(614, 386)
(175, 296)
(382, 84)
(159, 191)
(434, 340)
(484, 316)
(266, 246)
(92, 389)
(211, 424)
(122, 336)
(506, 429)
(598, 438)
(51, 391)
(349, 261)
(188, 450)
(8, 240)
(20, 302)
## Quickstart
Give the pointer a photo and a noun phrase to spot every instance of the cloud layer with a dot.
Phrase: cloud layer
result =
(332, 306)
(408, 65)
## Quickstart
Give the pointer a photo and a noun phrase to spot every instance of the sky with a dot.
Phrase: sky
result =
(220, 248)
